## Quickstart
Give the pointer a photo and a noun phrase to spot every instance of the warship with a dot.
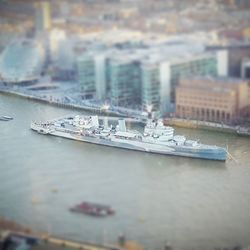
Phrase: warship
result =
(156, 137)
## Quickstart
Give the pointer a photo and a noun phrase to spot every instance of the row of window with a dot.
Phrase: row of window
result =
(201, 99)
(184, 111)
(204, 103)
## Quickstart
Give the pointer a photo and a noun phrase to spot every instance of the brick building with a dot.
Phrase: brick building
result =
(212, 99)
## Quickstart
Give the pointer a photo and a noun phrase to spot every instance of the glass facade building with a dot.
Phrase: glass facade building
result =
(91, 74)
(87, 75)
(146, 76)
(159, 80)
(125, 81)
(150, 93)
(22, 61)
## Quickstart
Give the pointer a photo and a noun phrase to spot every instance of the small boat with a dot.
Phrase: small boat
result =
(92, 209)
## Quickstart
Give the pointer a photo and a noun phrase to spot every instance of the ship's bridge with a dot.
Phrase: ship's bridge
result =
(159, 129)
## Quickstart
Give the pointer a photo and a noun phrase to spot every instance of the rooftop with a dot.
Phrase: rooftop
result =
(173, 50)
(217, 79)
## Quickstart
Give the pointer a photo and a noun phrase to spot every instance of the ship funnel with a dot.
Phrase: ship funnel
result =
(105, 123)
(95, 121)
(122, 125)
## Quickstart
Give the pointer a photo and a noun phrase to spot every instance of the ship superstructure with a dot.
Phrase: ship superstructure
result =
(156, 138)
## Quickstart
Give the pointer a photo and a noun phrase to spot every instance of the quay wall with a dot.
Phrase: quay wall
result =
(58, 104)
(194, 124)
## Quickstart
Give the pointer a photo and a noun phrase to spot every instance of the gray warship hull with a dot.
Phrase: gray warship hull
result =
(202, 152)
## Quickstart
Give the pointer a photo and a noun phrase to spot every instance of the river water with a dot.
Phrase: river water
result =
(190, 203)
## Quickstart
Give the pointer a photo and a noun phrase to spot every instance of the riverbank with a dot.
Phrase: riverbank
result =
(130, 115)
(10, 225)
(9, 229)
(73, 104)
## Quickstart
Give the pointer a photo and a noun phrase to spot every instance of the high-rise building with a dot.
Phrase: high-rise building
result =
(150, 93)
(86, 75)
(101, 74)
(57, 44)
(43, 16)
(124, 80)
(91, 73)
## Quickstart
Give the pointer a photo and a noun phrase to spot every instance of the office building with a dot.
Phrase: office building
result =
(148, 72)
(124, 77)
(150, 94)
(218, 99)
(160, 79)
(234, 54)
(86, 75)
(91, 74)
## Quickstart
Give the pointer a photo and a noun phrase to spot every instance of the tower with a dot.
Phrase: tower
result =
(42, 16)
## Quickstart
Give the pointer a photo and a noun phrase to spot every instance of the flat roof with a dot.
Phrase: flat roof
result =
(148, 48)
(221, 79)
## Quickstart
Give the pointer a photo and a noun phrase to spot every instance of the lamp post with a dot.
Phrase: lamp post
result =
(105, 107)
(149, 109)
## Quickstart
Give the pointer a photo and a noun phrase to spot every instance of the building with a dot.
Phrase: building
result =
(236, 54)
(145, 72)
(63, 55)
(150, 94)
(160, 78)
(86, 75)
(91, 74)
(236, 3)
(242, 3)
(42, 16)
(124, 80)
(22, 62)
(143, 78)
(219, 99)
(245, 69)
(57, 45)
